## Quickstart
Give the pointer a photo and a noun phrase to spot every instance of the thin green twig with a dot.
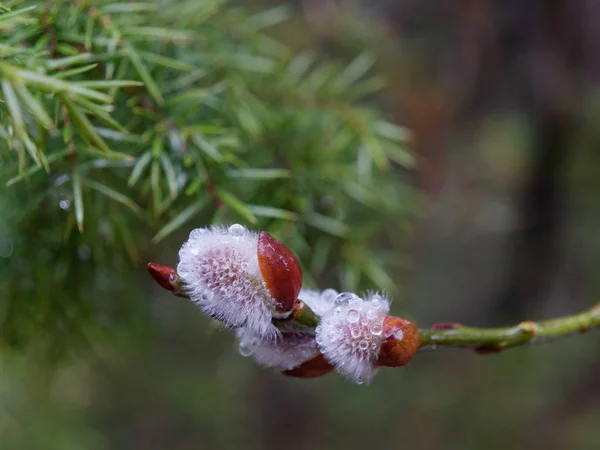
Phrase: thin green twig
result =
(497, 339)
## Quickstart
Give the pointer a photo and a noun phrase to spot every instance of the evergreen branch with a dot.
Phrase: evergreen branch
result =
(230, 125)
(50, 84)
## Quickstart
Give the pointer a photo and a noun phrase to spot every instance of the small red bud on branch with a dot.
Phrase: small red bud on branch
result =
(401, 343)
(164, 275)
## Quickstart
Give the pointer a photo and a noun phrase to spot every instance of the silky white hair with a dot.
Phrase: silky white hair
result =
(351, 333)
(221, 274)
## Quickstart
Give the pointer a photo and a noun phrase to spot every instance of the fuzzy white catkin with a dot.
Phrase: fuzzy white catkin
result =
(293, 347)
(285, 353)
(221, 274)
(351, 333)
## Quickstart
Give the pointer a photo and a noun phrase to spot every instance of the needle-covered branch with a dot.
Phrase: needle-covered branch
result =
(181, 111)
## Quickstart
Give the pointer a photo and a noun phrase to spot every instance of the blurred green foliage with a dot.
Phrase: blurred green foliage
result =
(123, 123)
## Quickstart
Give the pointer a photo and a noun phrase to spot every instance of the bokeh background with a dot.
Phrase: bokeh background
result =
(503, 101)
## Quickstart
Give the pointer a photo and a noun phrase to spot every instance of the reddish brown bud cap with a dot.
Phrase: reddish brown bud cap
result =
(280, 270)
(401, 342)
(163, 275)
(313, 368)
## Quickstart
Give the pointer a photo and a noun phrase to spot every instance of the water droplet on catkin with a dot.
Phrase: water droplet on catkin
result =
(355, 302)
(198, 232)
(237, 230)
(353, 316)
(344, 298)
(245, 350)
(376, 329)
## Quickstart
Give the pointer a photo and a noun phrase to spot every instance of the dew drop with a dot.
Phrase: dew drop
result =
(64, 204)
(237, 230)
(376, 329)
(244, 265)
(197, 233)
(359, 381)
(353, 316)
(376, 303)
(172, 278)
(344, 298)
(355, 302)
(373, 346)
(61, 179)
(363, 345)
(355, 332)
(245, 349)
(399, 335)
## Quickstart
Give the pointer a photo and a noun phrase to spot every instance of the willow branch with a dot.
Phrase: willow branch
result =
(491, 340)
(482, 340)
